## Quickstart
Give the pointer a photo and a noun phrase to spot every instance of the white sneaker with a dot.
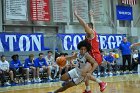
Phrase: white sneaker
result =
(38, 80)
(59, 76)
(110, 73)
(28, 81)
(50, 78)
(130, 72)
(7, 83)
(118, 72)
(34, 80)
(105, 73)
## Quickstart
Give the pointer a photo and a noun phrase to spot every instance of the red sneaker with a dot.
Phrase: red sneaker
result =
(87, 91)
(103, 85)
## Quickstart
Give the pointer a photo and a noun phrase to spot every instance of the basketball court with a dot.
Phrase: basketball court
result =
(38, 26)
(129, 83)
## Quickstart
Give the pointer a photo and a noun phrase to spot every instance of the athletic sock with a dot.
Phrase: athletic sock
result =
(98, 80)
(87, 88)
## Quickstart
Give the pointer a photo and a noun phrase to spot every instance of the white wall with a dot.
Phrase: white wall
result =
(79, 29)
(136, 14)
(0, 17)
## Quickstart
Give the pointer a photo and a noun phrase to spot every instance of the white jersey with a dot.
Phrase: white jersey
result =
(75, 74)
(81, 60)
(50, 60)
(4, 65)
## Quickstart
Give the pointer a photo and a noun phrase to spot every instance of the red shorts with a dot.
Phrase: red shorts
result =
(98, 58)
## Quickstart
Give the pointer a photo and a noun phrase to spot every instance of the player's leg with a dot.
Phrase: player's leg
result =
(63, 88)
(60, 72)
(11, 76)
(69, 75)
(33, 70)
(48, 68)
(72, 75)
(27, 74)
(86, 68)
(91, 77)
(38, 70)
(75, 80)
(56, 68)
(100, 82)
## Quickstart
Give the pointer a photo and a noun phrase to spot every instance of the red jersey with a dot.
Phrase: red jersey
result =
(95, 53)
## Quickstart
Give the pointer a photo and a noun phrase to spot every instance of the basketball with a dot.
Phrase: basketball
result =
(61, 61)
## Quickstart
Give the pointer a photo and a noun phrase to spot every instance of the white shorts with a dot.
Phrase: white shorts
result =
(29, 69)
(53, 68)
(41, 70)
(75, 75)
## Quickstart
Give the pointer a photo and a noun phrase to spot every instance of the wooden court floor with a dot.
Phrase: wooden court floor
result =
(116, 84)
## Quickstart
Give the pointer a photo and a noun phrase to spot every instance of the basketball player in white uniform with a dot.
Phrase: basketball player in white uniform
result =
(51, 63)
(74, 77)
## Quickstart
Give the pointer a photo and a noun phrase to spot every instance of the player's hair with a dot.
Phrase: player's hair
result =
(41, 54)
(15, 55)
(90, 24)
(2, 56)
(49, 51)
(65, 54)
(31, 55)
(84, 43)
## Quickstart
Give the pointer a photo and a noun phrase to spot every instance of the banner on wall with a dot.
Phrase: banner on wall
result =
(106, 41)
(21, 42)
(124, 12)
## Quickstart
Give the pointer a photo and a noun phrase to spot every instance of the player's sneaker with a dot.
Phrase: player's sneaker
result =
(87, 91)
(103, 85)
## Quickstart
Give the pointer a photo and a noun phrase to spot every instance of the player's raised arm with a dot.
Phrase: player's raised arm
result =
(135, 44)
(92, 18)
(88, 30)
(90, 59)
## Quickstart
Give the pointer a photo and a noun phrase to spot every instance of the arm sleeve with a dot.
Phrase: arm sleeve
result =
(45, 63)
(20, 64)
(12, 64)
(120, 47)
(36, 63)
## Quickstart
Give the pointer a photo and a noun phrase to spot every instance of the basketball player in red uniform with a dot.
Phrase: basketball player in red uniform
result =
(135, 44)
(91, 37)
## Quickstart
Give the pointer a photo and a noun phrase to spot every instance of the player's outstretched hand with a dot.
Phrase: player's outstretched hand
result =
(75, 12)
(91, 13)
(132, 46)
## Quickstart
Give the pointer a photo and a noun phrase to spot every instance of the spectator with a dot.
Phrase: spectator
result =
(103, 65)
(29, 66)
(135, 57)
(4, 70)
(67, 66)
(15, 65)
(126, 53)
(50, 61)
(60, 68)
(110, 61)
(42, 66)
